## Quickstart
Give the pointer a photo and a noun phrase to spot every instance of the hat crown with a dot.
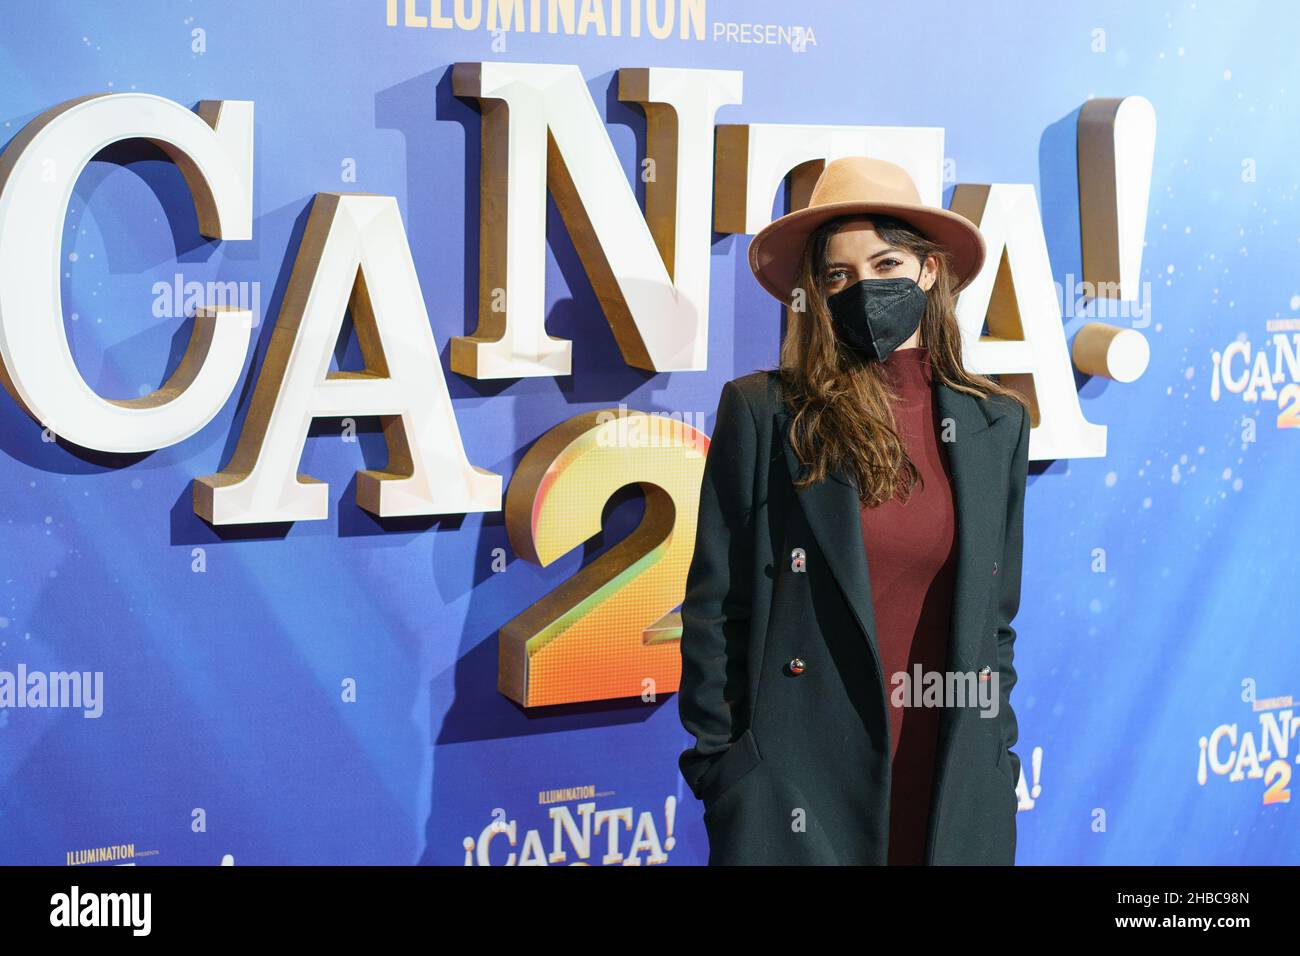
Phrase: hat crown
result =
(861, 186)
(863, 179)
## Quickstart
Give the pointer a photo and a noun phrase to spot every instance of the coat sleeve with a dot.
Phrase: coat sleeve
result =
(1008, 597)
(717, 605)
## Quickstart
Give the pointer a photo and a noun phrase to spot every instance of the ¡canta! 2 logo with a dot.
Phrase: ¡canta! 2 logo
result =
(1263, 374)
(1234, 752)
(653, 289)
(579, 837)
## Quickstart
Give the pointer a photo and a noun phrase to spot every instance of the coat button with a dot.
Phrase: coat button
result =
(798, 560)
(797, 665)
(985, 671)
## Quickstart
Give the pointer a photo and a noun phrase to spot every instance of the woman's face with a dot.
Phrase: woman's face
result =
(857, 252)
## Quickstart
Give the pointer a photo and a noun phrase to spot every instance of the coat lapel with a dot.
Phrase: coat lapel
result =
(832, 510)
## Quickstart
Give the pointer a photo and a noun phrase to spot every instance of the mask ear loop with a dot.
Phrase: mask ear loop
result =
(917, 280)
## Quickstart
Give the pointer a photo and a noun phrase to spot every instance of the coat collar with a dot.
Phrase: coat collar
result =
(833, 513)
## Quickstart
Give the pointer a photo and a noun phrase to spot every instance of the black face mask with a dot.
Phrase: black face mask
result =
(876, 316)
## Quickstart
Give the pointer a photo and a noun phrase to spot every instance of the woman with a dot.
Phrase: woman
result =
(860, 520)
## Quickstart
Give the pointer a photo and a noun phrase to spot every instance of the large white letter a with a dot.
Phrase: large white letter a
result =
(354, 253)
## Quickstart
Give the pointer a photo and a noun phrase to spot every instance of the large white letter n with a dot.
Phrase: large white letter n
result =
(354, 254)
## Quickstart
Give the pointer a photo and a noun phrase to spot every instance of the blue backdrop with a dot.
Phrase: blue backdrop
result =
(222, 687)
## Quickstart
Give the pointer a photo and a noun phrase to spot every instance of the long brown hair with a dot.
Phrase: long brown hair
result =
(841, 402)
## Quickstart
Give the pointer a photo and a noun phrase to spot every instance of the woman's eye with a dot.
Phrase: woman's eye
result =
(834, 276)
(887, 265)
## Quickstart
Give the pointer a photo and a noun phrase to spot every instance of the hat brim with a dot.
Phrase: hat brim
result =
(776, 249)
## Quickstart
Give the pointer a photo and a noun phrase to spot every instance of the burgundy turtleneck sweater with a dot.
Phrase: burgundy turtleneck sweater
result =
(911, 557)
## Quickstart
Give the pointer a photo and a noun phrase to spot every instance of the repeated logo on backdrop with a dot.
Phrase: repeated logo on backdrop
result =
(1263, 372)
(586, 833)
(1254, 750)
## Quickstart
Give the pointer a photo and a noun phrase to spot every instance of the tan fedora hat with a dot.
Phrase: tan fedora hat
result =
(860, 185)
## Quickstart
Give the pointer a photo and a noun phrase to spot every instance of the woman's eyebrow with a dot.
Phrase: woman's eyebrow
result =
(874, 255)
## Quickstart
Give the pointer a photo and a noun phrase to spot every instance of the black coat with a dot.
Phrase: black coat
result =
(794, 768)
